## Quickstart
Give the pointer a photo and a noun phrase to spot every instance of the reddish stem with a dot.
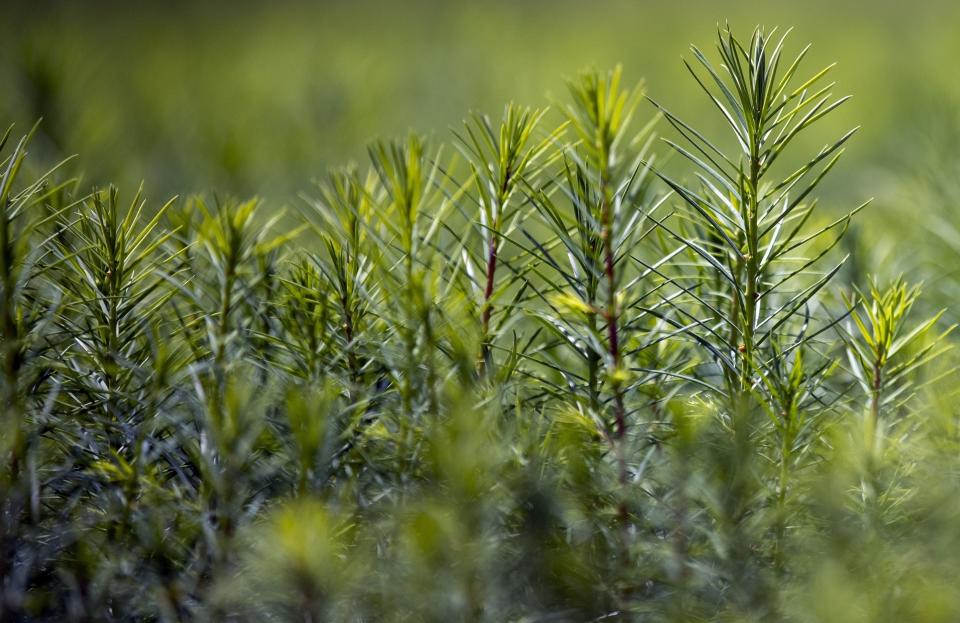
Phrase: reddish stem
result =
(487, 295)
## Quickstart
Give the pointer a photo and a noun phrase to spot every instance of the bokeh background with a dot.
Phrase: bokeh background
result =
(260, 97)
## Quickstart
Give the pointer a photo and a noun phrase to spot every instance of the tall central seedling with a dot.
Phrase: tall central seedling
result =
(758, 250)
(750, 220)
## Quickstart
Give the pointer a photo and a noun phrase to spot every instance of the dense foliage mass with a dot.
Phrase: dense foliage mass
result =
(543, 375)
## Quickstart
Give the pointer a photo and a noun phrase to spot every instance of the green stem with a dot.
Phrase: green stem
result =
(751, 295)
(873, 414)
(785, 454)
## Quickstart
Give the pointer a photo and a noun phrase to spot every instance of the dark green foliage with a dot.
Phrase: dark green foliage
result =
(537, 379)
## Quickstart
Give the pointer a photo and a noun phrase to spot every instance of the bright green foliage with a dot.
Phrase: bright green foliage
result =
(885, 351)
(547, 377)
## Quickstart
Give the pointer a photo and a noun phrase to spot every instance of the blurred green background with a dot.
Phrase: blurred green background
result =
(262, 97)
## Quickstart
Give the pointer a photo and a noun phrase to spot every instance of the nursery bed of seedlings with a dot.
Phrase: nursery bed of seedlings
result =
(577, 364)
